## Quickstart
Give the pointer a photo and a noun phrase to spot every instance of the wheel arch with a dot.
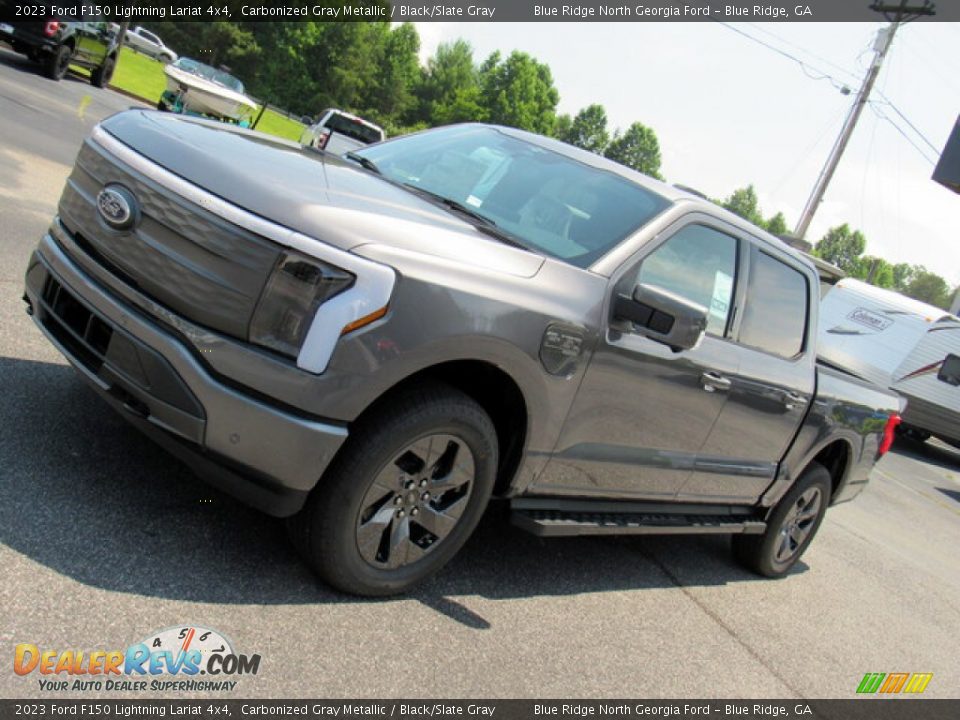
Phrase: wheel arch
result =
(491, 387)
(837, 457)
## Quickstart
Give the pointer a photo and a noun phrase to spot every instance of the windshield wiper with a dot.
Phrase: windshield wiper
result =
(451, 203)
(484, 224)
(365, 163)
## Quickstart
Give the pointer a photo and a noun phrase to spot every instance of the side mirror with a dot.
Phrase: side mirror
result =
(662, 316)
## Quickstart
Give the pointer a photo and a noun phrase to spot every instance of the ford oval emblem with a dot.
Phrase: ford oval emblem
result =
(117, 207)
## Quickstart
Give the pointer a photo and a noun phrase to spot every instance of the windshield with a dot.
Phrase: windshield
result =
(548, 201)
(208, 73)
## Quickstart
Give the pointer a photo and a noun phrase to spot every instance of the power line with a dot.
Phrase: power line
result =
(882, 116)
(804, 66)
(903, 117)
(804, 154)
(933, 64)
(897, 15)
(853, 75)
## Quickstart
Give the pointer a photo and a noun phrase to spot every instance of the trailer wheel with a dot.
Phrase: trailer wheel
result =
(791, 527)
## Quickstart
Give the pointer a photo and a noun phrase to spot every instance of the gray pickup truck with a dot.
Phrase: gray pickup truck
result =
(376, 346)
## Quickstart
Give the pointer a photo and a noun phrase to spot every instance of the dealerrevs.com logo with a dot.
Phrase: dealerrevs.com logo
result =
(186, 658)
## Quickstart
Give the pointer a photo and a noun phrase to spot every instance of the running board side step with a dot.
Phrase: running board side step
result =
(567, 522)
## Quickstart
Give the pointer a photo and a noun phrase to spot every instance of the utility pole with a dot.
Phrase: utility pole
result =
(897, 15)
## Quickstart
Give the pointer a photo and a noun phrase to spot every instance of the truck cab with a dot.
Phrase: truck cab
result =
(340, 132)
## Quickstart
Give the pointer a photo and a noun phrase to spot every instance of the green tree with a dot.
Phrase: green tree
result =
(637, 148)
(743, 202)
(930, 288)
(519, 92)
(588, 130)
(561, 126)
(777, 225)
(450, 90)
(902, 275)
(842, 247)
(392, 93)
(874, 270)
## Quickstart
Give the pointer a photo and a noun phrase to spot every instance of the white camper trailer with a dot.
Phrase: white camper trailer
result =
(900, 343)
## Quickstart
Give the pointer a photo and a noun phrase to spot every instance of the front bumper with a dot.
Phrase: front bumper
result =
(263, 455)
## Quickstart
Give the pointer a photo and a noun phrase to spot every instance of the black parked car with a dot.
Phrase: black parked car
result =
(57, 44)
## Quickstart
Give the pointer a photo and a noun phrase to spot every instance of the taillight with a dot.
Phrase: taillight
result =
(50, 29)
(889, 430)
(323, 138)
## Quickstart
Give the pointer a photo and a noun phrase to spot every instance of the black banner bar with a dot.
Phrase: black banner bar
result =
(466, 10)
(872, 708)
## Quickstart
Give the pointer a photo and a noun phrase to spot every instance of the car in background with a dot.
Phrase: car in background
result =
(150, 44)
(58, 44)
(341, 132)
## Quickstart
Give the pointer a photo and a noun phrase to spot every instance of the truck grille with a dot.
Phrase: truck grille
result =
(194, 263)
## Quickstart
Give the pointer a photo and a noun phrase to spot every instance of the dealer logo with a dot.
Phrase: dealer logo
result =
(172, 659)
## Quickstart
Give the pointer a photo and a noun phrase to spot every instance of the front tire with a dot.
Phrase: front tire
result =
(403, 495)
(791, 526)
(56, 63)
(102, 75)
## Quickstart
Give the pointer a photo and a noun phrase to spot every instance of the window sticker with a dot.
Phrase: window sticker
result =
(722, 290)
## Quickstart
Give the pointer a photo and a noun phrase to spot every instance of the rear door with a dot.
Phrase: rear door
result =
(643, 411)
(769, 393)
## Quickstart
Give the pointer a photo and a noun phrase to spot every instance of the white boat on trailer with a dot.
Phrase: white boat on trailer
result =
(199, 89)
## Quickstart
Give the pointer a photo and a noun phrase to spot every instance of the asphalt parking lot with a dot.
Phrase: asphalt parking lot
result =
(104, 539)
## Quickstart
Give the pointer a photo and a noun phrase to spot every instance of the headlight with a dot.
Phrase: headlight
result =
(296, 288)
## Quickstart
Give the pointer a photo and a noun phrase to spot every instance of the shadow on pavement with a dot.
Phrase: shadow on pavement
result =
(932, 452)
(952, 494)
(91, 498)
(17, 61)
(24, 64)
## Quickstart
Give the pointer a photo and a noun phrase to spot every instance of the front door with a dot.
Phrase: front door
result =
(644, 411)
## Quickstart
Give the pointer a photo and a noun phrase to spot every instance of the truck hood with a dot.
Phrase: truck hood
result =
(320, 195)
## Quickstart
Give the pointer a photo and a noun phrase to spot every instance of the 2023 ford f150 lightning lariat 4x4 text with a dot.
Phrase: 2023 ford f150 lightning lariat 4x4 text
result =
(374, 346)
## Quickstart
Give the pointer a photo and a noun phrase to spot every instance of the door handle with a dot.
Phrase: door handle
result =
(712, 382)
(791, 400)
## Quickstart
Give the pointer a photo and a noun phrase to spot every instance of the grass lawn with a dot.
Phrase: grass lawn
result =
(143, 77)
(139, 75)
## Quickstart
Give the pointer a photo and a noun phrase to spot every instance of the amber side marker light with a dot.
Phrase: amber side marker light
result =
(364, 321)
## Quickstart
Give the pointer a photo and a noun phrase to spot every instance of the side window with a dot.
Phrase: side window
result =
(775, 316)
(697, 263)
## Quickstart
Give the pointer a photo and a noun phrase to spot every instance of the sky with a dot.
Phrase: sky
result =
(729, 112)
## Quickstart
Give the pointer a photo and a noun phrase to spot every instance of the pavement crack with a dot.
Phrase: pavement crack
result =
(719, 621)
